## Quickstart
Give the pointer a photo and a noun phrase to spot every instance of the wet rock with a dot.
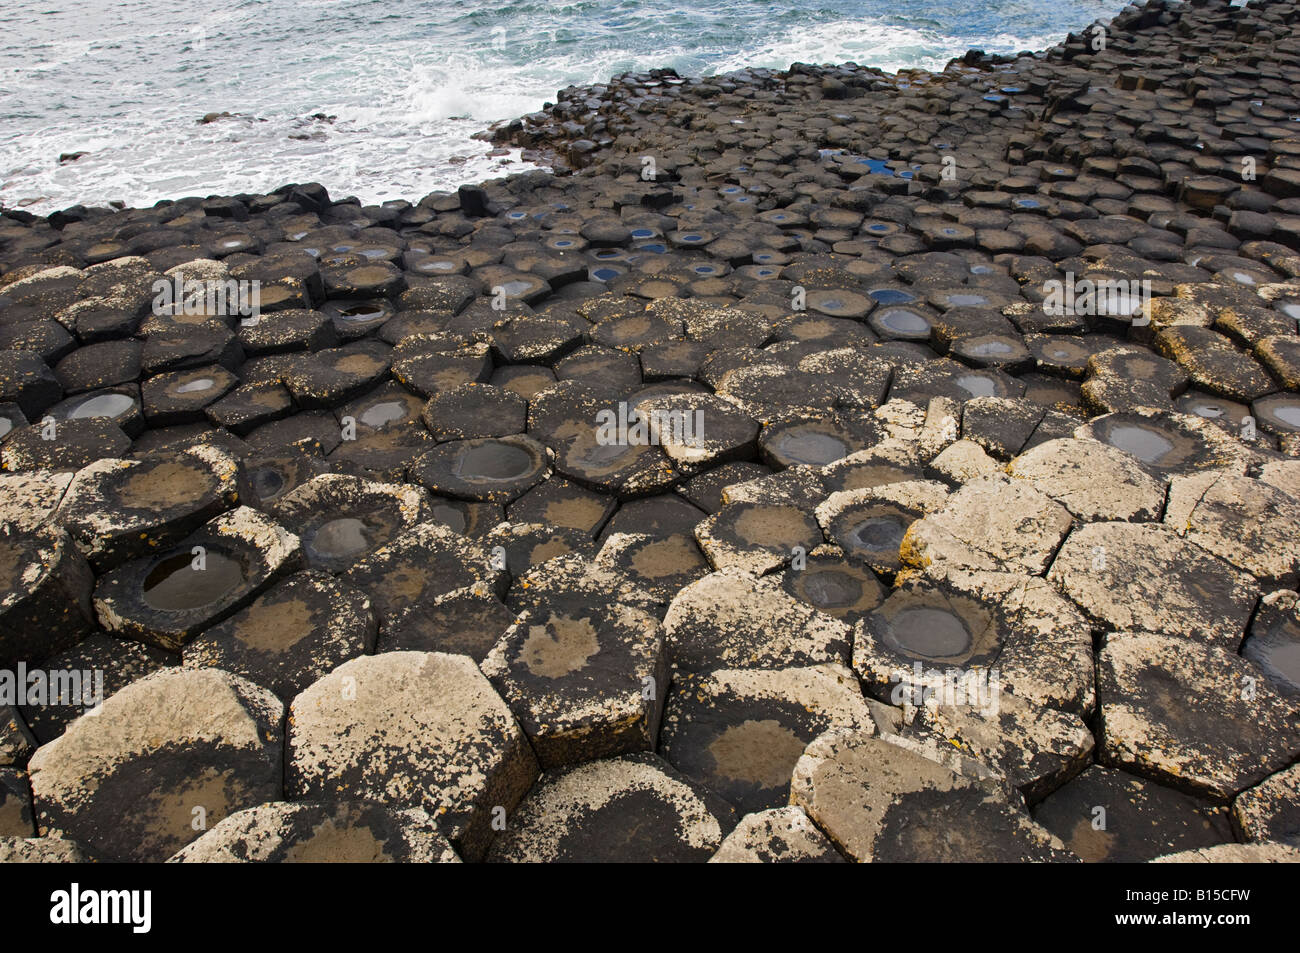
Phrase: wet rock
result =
(488, 469)
(1109, 816)
(869, 524)
(739, 732)
(1194, 717)
(167, 598)
(661, 565)
(294, 633)
(1168, 443)
(973, 629)
(731, 620)
(1135, 577)
(282, 833)
(1274, 635)
(166, 757)
(341, 518)
(782, 835)
(360, 733)
(630, 809)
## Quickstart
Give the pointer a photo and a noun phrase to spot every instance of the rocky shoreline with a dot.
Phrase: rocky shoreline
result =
(968, 526)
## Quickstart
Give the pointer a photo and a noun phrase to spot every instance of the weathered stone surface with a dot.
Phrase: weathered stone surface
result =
(885, 799)
(1092, 480)
(117, 510)
(1270, 811)
(411, 729)
(45, 607)
(291, 635)
(731, 620)
(992, 523)
(739, 731)
(1265, 853)
(1251, 524)
(16, 818)
(584, 684)
(1107, 815)
(1135, 577)
(167, 599)
(43, 850)
(756, 537)
(1195, 717)
(174, 748)
(782, 835)
(630, 809)
(352, 833)
(930, 634)
(1036, 749)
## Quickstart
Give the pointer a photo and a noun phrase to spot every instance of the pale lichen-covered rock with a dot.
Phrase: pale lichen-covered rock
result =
(731, 620)
(346, 832)
(28, 499)
(1141, 577)
(1192, 716)
(964, 461)
(162, 760)
(1036, 749)
(1249, 523)
(1093, 480)
(411, 729)
(991, 523)
(584, 683)
(1262, 853)
(43, 850)
(1271, 809)
(630, 809)
(16, 741)
(869, 524)
(782, 835)
(740, 731)
(882, 798)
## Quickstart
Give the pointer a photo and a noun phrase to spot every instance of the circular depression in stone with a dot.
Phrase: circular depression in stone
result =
(487, 469)
(493, 462)
(183, 581)
(1163, 447)
(901, 324)
(929, 632)
(1278, 412)
(341, 540)
(836, 587)
(1277, 652)
(385, 412)
(103, 405)
(807, 444)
